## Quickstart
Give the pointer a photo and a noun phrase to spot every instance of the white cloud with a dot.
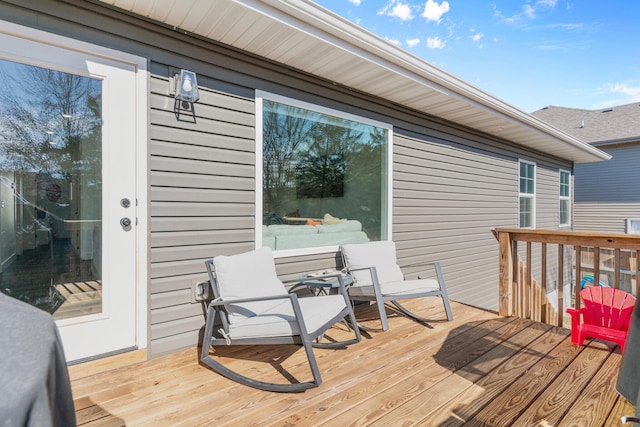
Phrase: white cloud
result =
(435, 43)
(412, 42)
(356, 2)
(397, 9)
(630, 92)
(547, 3)
(476, 37)
(507, 19)
(529, 11)
(627, 89)
(434, 11)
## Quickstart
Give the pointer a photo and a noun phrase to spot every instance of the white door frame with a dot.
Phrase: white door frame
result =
(47, 48)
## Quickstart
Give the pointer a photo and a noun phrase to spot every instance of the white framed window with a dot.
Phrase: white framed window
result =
(632, 225)
(527, 195)
(565, 198)
(325, 178)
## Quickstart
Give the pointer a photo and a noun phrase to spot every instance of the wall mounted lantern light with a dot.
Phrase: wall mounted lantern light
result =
(186, 94)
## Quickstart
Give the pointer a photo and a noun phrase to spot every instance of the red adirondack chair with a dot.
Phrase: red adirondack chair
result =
(606, 315)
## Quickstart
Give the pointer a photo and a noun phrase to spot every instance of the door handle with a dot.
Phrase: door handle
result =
(125, 223)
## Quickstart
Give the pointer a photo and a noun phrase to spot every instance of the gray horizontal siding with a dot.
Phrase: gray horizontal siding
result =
(606, 193)
(446, 200)
(202, 197)
(604, 216)
(449, 194)
(611, 181)
(547, 197)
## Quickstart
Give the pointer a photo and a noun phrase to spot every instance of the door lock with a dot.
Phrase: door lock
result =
(125, 223)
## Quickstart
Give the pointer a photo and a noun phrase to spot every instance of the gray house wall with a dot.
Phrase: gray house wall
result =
(451, 185)
(606, 193)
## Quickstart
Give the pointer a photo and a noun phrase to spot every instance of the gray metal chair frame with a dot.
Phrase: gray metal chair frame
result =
(381, 298)
(221, 336)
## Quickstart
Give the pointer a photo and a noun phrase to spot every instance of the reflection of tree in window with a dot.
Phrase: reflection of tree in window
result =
(315, 163)
(320, 171)
(50, 123)
(284, 133)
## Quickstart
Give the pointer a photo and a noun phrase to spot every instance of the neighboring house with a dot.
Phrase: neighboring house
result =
(606, 198)
(301, 114)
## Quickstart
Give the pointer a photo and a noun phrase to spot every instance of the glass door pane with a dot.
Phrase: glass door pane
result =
(51, 189)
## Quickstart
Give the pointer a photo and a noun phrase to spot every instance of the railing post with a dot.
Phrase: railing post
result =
(596, 266)
(527, 297)
(637, 289)
(543, 283)
(560, 285)
(616, 268)
(506, 275)
(578, 264)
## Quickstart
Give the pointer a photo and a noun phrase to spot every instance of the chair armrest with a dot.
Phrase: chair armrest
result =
(575, 317)
(372, 270)
(424, 264)
(223, 301)
(435, 265)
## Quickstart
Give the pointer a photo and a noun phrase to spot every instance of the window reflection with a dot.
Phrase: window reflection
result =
(324, 178)
(50, 187)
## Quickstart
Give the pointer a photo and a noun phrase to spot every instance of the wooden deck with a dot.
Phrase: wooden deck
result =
(478, 370)
(81, 298)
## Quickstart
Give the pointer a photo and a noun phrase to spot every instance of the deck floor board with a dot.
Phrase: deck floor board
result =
(478, 370)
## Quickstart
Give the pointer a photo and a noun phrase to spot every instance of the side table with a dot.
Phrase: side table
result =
(324, 282)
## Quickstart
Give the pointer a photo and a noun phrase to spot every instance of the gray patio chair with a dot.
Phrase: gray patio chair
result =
(252, 306)
(377, 277)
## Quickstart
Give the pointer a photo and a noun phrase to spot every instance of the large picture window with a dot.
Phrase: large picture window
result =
(324, 176)
(527, 196)
(565, 198)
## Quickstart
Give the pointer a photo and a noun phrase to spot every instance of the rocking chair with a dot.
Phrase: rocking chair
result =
(606, 315)
(377, 277)
(251, 306)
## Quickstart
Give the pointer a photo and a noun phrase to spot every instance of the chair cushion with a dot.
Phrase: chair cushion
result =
(279, 320)
(403, 287)
(381, 255)
(248, 275)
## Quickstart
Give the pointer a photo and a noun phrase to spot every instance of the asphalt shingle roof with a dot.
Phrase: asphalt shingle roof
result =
(593, 126)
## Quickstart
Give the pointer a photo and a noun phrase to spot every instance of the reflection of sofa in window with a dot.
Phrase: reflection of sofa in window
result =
(281, 236)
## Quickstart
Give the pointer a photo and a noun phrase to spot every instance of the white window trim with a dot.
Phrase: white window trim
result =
(260, 96)
(531, 196)
(628, 223)
(561, 197)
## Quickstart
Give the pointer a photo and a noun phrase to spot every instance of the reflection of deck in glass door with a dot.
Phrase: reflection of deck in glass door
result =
(62, 135)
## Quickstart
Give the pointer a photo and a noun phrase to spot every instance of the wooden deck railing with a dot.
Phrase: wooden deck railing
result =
(525, 273)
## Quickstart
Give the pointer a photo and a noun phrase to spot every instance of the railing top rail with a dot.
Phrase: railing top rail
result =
(575, 238)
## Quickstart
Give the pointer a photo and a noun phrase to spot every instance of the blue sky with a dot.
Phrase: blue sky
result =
(529, 53)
